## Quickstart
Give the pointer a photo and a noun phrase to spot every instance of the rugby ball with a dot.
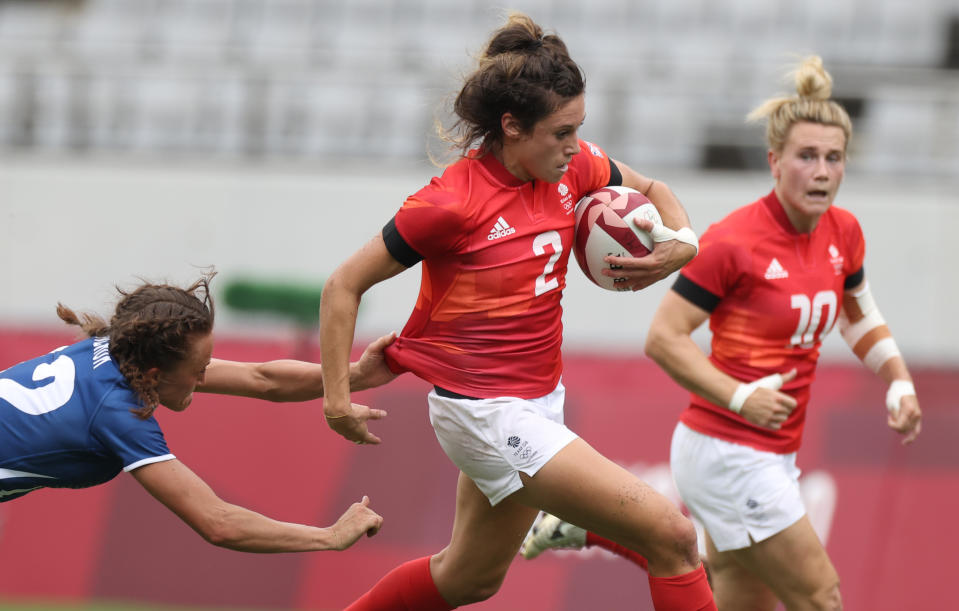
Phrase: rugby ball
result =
(604, 226)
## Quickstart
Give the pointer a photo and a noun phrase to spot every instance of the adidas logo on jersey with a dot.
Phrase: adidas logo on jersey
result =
(500, 230)
(775, 270)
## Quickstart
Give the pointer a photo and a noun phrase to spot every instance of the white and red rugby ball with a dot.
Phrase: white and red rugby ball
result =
(604, 226)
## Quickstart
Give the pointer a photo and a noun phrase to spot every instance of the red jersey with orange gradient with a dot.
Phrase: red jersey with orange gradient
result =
(773, 294)
(487, 322)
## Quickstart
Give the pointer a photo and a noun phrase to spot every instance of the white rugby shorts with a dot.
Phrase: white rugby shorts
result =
(493, 440)
(741, 495)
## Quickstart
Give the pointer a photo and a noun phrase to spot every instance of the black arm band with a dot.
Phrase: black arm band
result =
(854, 279)
(695, 294)
(615, 176)
(398, 247)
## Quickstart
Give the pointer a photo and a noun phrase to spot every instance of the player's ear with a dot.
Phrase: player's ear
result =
(152, 374)
(511, 125)
(773, 159)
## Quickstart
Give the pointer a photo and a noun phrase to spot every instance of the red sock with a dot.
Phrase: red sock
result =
(689, 592)
(408, 587)
(594, 539)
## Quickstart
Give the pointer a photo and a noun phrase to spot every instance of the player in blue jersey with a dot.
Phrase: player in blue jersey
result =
(80, 415)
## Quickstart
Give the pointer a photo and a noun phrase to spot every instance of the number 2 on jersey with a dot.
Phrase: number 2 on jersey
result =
(36, 401)
(540, 242)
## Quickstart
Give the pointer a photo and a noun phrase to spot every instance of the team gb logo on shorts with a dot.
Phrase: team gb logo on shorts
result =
(521, 449)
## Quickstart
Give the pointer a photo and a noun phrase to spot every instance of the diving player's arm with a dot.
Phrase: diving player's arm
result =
(231, 526)
(291, 380)
(866, 332)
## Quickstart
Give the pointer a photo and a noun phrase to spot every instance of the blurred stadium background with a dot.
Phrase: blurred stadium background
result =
(150, 138)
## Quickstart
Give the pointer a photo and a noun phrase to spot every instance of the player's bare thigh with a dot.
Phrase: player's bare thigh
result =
(485, 541)
(795, 566)
(735, 588)
(582, 486)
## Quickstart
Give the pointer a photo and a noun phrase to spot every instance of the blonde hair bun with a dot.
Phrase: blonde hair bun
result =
(812, 80)
(813, 103)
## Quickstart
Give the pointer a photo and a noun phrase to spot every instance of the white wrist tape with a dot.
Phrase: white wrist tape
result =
(688, 236)
(739, 397)
(736, 402)
(897, 390)
(662, 233)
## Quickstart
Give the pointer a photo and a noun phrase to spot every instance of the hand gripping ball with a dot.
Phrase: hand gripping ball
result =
(604, 226)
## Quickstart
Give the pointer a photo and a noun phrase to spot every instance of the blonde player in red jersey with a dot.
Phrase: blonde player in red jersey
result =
(773, 278)
(494, 234)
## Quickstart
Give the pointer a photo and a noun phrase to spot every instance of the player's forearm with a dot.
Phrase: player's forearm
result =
(290, 380)
(680, 357)
(864, 329)
(894, 369)
(338, 309)
(279, 380)
(282, 380)
(221, 523)
(244, 530)
(670, 209)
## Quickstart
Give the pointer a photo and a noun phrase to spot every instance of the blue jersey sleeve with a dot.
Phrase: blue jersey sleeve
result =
(135, 441)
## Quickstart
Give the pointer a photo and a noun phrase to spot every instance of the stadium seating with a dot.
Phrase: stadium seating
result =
(669, 81)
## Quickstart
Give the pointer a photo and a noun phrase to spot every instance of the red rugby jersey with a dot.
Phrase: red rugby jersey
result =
(777, 293)
(487, 322)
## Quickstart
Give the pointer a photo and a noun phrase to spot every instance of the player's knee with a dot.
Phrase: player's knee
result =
(676, 543)
(828, 598)
(681, 532)
(478, 591)
(686, 542)
(465, 585)
(823, 596)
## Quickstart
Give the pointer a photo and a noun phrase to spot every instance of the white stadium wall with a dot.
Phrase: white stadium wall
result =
(71, 230)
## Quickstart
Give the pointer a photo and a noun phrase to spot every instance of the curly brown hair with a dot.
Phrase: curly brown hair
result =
(524, 72)
(152, 326)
